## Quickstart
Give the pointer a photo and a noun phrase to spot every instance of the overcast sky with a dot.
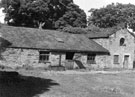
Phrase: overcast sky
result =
(88, 4)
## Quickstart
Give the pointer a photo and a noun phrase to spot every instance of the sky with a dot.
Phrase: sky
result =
(86, 5)
(2, 15)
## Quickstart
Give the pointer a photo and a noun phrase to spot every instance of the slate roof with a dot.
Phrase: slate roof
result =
(33, 38)
(105, 33)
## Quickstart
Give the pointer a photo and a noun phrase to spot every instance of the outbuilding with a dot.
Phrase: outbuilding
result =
(22, 46)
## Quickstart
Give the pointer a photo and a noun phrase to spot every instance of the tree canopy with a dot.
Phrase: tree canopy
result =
(48, 14)
(74, 30)
(113, 15)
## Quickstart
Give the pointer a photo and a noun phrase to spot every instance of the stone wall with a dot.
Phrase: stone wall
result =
(55, 57)
(12, 57)
(113, 45)
(19, 57)
(29, 57)
(100, 60)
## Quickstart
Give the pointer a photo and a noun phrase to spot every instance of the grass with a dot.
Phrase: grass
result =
(78, 85)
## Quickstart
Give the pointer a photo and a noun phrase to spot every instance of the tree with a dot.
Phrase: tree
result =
(112, 15)
(73, 16)
(43, 13)
(74, 30)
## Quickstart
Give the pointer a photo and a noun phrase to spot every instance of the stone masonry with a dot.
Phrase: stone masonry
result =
(113, 45)
(17, 57)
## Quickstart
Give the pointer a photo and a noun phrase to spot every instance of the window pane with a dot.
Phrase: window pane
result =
(43, 56)
(91, 58)
(122, 40)
(116, 59)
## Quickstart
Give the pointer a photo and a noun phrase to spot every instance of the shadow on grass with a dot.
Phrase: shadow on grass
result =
(13, 84)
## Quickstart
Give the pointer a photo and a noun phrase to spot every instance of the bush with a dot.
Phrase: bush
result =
(74, 30)
(93, 28)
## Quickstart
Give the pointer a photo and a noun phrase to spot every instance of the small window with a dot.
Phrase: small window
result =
(116, 59)
(43, 56)
(122, 42)
(91, 58)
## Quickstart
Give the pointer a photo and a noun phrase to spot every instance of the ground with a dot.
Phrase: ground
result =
(68, 84)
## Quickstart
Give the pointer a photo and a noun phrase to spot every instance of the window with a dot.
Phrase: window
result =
(43, 56)
(122, 42)
(116, 59)
(91, 58)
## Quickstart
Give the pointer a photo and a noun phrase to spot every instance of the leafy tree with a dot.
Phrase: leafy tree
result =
(73, 16)
(112, 15)
(87, 30)
(52, 14)
(93, 28)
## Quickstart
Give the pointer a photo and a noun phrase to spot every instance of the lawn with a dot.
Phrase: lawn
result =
(51, 84)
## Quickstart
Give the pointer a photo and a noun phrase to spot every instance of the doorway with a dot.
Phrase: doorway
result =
(126, 61)
(69, 60)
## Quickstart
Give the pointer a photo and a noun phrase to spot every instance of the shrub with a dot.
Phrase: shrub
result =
(74, 30)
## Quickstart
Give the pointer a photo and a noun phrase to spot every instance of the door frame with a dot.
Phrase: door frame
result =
(126, 61)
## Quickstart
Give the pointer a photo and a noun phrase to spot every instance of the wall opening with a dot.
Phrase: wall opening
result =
(43, 56)
(134, 64)
(69, 55)
(122, 42)
(91, 58)
(116, 59)
(126, 61)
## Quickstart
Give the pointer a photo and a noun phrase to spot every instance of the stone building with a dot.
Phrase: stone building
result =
(44, 48)
(120, 44)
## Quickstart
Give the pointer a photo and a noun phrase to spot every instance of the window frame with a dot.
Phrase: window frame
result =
(122, 41)
(91, 58)
(44, 56)
(115, 57)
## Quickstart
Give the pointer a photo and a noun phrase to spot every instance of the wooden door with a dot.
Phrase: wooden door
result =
(69, 64)
(126, 61)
